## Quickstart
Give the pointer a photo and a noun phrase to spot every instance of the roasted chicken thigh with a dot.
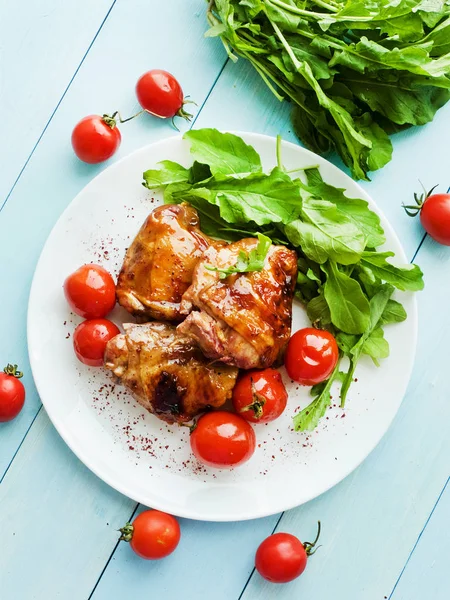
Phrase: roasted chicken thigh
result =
(167, 373)
(158, 265)
(245, 319)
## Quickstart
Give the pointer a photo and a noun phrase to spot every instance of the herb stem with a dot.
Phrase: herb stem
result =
(279, 163)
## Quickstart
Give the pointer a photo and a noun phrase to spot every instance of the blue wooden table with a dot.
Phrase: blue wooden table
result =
(386, 527)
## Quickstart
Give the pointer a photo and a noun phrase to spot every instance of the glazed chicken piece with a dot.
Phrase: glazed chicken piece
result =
(245, 319)
(158, 265)
(167, 373)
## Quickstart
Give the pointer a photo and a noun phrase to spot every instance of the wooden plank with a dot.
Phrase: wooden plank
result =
(58, 521)
(54, 175)
(426, 574)
(36, 66)
(213, 560)
(372, 520)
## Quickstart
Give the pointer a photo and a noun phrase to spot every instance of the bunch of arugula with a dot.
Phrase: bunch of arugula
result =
(343, 281)
(355, 70)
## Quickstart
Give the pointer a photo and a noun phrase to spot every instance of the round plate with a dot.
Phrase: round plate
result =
(138, 454)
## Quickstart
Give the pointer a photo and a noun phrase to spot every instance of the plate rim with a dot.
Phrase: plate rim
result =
(83, 455)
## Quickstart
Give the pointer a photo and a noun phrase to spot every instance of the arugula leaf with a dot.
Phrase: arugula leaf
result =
(393, 313)
(170, 172)
(325, 233)
(308, 418)
(376, 346)
(260, 198)
(318, 311)
(349, 308)
(355, 209)
(225, 153)
(199, 172)
(247, 262)
(405, 277)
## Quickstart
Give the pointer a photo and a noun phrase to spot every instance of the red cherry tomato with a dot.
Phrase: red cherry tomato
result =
(159, 93)
(95, 140)
(311, 356)
(12, 393)
(282, 557)
(435, 217)
(90, 291)
(260, 396)
(152, 535)
(222, 439)
(90, 339)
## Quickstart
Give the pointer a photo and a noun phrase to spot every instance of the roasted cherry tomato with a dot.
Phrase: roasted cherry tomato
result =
(95, 138)
(90, 339)
(12, 393)
(152, 535)
(260, 396)
(311, 356)
(90, 291)
(222, 439)
(434, 212)
(282, 557)
(159, 93)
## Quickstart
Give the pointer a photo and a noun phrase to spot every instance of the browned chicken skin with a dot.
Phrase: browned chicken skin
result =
(158, 265)
(167, 373)
(245, 319)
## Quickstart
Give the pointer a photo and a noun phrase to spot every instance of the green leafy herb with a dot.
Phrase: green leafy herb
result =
(355, 71)
(248, 262)
(344, 283)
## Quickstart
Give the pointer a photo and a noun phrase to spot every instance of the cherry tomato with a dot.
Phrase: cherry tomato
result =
(260, 396)
(159, 93)
(311, 356)
(12, 393)
(282, 557)
(95, 138)
(90, 339)
(90, 291)
(222, 439)
(435, 217)
(152, 535)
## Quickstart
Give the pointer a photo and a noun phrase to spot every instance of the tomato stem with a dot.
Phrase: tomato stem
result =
(308, 546)
(127, 532)
(12, 371)
(412, 210)
(257, 403)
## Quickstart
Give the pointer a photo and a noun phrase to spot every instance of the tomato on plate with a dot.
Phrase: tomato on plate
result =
(159, 93)
(95, 138)
(434, 212)
(260, 396)
(90, 291)
(90, 339)
(282, 557)
(311, 356)
(152, 535)
(12, 393)
(222, 439)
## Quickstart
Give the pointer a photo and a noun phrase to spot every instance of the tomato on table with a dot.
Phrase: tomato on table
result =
(90, 339)
(96, 138)
(222, 439)
(90, 291)
(152, 535)
(159, 93)
(282, 557)
(260, 396)
(434, 212)
(311, 356)
(12, 393)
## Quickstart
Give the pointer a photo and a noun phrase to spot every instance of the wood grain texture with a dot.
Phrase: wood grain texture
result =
(58, 521)
(372, 519)
(54, 175)
(42, 44)
(426, 574)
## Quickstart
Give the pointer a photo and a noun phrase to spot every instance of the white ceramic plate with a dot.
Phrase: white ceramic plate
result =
(140, 455)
